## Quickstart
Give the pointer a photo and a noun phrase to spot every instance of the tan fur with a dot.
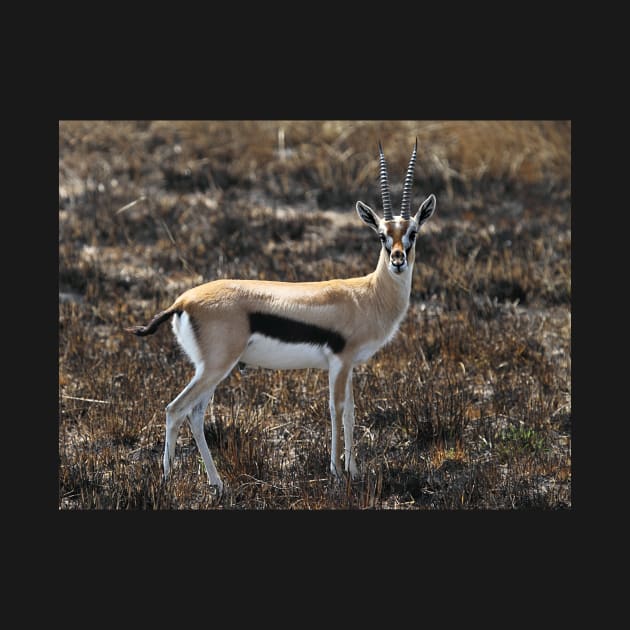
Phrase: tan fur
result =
(363, 310)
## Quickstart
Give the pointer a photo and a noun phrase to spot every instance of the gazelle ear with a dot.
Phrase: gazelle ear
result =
(426, 210)
(367, 215)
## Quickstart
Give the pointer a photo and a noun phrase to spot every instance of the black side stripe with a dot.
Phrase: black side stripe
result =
(293, 331)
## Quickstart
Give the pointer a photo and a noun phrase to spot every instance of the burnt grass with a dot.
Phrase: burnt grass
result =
(469, 407)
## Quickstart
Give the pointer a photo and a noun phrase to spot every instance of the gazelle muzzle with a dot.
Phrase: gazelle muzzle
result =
(398, 260)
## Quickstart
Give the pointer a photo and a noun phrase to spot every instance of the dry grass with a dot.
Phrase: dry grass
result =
(468, 407)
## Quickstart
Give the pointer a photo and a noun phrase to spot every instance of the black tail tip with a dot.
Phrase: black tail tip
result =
(136, 330)
(152, 326)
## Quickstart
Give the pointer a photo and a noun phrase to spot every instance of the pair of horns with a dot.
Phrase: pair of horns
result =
(406, 199)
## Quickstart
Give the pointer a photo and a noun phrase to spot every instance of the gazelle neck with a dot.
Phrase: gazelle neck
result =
(391, 287)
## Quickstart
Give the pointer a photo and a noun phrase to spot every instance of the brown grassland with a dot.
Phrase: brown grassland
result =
(469, 407)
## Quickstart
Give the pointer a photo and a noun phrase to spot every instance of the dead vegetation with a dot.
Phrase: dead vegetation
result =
(469, 407)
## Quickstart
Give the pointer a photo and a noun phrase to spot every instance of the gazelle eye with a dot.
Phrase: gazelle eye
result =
(382, 237)
(412, 236)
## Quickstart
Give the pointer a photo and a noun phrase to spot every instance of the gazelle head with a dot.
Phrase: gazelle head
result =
(397, 233)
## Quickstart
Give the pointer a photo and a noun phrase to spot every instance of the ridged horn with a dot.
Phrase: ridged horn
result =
(387, 204)
(406, 198)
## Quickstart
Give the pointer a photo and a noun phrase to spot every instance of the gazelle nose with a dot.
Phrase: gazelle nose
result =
(398, 257)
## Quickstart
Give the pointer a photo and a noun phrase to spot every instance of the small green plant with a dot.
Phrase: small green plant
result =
(520, 440)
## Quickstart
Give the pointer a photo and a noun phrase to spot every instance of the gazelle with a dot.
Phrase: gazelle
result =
(333, 325)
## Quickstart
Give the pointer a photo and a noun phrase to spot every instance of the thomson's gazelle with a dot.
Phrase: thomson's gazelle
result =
(332, 325)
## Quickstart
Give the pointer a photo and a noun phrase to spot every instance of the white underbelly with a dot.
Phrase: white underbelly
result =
(270, 353)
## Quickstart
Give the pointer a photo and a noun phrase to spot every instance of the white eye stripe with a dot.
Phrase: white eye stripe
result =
(387, 240)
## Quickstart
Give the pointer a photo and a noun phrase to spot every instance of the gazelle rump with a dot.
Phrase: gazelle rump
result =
(332, 325)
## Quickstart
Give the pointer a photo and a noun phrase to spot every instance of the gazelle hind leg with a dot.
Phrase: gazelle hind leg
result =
(196, 419)
(348, 429)
(173, 424)
(175, 416)
(192, 402)
(213, 360)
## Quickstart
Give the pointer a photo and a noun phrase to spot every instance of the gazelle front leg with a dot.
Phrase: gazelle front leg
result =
(338, 373)
(348, 428)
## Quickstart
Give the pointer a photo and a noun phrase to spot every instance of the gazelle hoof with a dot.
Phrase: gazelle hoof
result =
(216, 488)
(353, 471)
(336, 472)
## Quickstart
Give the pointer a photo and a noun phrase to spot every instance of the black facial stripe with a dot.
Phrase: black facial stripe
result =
(293, 331)
(411, 237)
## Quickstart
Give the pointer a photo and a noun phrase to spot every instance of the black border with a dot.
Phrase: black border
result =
(436, 546)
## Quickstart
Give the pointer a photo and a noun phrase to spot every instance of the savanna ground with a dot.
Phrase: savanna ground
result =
(469, 407)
